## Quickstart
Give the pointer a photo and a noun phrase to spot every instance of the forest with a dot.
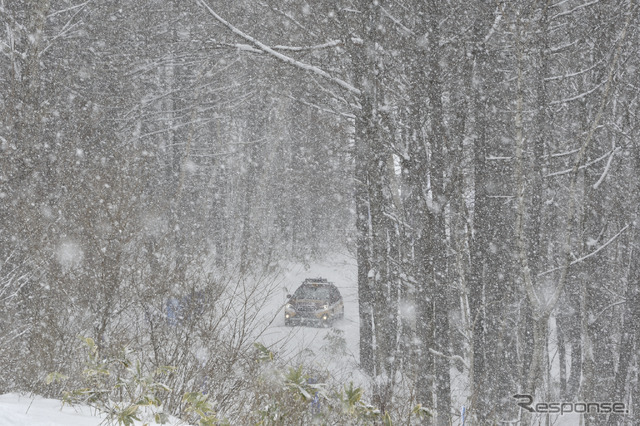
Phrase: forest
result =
(479, 160)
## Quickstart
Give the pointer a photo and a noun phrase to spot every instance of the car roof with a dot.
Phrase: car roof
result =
(317, 282)
(318, 285)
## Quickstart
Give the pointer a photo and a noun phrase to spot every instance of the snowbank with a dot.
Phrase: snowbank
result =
(26, 410)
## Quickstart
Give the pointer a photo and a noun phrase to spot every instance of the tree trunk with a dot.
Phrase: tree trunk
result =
(366, 135)
(436, 255)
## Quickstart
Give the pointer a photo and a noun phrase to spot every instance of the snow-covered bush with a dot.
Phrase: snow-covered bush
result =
(282, 394)
(275, 393)
(118, 387)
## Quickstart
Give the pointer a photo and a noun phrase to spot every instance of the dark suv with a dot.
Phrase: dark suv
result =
(315, 301)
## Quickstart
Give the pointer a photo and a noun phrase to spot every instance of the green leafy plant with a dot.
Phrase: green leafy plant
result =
(296, 379)
(421, 412)
(55, 377)
(199, 404)
(117, 387)
(263, 353)
(352, 397)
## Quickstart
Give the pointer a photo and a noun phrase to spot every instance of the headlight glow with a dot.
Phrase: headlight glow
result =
(288, 306)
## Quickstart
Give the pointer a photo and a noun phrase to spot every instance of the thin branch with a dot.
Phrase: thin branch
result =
(493, 28)
(562, 154)
(450, 357)
(396, 21)
(606, 308)
(243, 47)
(249, 48)
(67, 27)
(578, 96)
(593, 253)
(522, 256)
(58, 12)
(559, 49)
(319, 108)
(332, 43)
(584, 166)
(291, 18)
(573, 74)
(568, 12)
(605, 172)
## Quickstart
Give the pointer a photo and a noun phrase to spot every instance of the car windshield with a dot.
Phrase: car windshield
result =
(312, 292)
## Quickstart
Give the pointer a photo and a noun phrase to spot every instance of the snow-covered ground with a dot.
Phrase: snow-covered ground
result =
(331, 350)
(26, 410)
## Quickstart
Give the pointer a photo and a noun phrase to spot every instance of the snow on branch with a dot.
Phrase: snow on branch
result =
(563, 154)
(243, 47)
(70, 25)
(493, 28)
(579, 96)
(319, 108)
(558, 49)
(588, 255)
(250, 48)
(584, 166)
(284, 58)
(332, 43)
(573, 74)
(593, 253)
(569, 12)
(612, 305)
(396, 21)
(451, 357)
(606, 169)
(61, 11)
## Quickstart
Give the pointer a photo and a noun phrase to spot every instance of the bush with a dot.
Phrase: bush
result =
(121, 389)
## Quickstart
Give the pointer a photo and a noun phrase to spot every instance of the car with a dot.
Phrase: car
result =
(316, 301)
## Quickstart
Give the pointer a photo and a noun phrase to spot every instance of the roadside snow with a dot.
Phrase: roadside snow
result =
(26, 410)
(23, 410)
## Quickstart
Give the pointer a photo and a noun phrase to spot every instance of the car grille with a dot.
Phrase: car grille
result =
(305, 310)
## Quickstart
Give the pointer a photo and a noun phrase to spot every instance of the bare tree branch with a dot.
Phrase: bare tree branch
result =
(286, 59)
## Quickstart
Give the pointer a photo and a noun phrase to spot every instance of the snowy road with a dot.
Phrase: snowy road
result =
(334, 348)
